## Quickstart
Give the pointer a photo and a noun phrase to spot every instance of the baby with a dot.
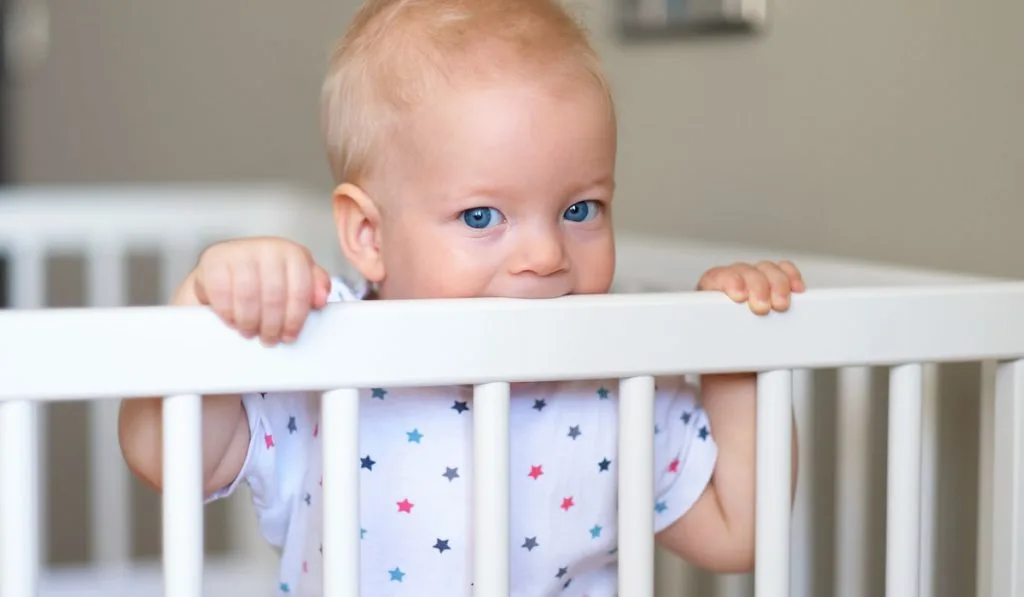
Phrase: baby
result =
(473, 143)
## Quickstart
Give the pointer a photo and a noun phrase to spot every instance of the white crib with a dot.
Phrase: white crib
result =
(857, 316)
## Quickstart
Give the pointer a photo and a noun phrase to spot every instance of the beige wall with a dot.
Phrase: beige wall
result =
(875, 129)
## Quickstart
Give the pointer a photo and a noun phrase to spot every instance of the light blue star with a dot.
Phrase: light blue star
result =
(414, 435)
(595, 532)
(660, 507)
(396, 574)
(362, 533)
(379, 393)
(285, 588)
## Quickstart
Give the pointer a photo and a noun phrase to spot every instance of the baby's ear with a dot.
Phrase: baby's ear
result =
(358, 222)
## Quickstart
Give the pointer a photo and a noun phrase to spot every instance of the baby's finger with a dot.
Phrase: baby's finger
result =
(245, 290)
(274, 291)
(321, 287)
(779, 285)
(727, 280)
(796, 279)
(213, 288)
(758, 289)
(300, 284)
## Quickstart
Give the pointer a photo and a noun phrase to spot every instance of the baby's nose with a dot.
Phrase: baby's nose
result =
(541, 254)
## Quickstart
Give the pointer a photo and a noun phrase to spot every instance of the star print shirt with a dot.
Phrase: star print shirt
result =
(416, 483)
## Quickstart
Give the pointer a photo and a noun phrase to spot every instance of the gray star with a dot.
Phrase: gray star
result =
(451, 473)
(530, 543)
(575, 432)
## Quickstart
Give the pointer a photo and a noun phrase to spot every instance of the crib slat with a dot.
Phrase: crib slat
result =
(853, 480)
(19, 499)
(774, 478)
(803, 561)
(636, 486)
(986, 471)
(109, 481)
(929, 490)
(339, 416)
(903, 503)
(491, 490)
(1007, 530)
(183, 545)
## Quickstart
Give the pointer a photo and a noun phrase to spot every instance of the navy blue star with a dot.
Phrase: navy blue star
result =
(604, 464)
(574, 432)
(530, 543)
(686, 417)
(378, 393)
(539, 404)
(441, 545)
(566, 585)
(657, 429)
(703, 433)
(451, 473)
(291, 425)
(367, 462)
(460, 406)
(307, 499)
(562, 572)
(263, 395)
(602, 393)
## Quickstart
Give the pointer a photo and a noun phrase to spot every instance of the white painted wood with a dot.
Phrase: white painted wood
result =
(491, 490)
(109, 478)
(986, 467)
(1007, 530)
(929, 490)
(774, 478)
(802, 556)
(636, 486)
(122, 352)
(854, 406)
(339, 414)
(19, 499)
(183, 546)
(903, 502)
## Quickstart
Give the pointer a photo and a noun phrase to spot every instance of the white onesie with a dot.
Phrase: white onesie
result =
(416, 483)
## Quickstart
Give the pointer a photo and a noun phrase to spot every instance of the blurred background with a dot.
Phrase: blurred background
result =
(879, 130)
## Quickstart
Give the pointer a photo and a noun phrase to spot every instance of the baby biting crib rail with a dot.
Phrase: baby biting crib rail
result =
(947, 319)
(179, 352)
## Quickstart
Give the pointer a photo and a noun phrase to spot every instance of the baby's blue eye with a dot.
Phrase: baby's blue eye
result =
(481, 217)
(581, 211)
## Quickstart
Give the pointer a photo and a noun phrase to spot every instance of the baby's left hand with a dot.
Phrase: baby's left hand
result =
(766, 286)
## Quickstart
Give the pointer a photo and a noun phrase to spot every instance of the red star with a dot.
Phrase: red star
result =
(536, 471)
(316, 430)
(305, 567)
(405, 506)
(673, 467)
(269, 440)
(567, 503)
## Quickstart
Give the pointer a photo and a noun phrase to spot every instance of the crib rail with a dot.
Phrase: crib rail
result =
(72, 354)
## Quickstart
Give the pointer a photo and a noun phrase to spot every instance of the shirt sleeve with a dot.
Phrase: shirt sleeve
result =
(275, 462)
(684, 451)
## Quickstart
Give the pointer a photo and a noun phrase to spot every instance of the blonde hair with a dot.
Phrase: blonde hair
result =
(396, 51)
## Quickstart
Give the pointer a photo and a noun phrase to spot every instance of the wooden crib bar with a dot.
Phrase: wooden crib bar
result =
(109, 353)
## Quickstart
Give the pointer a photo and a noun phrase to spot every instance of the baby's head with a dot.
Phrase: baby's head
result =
(473, 143)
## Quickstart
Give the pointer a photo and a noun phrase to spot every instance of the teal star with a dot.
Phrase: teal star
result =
(414, 435)
(602, 393)
(396, 574)
(595, 531)
(604, 464)
(660, 507)
(362, 533)
(379, 393)
(285, 588)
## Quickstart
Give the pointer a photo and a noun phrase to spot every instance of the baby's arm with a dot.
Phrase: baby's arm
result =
(717, 533)
(262, 287)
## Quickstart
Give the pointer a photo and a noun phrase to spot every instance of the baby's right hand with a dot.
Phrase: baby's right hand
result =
(260, 286)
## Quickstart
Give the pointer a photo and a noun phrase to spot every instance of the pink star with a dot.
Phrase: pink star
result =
(316, 430)
(405, 506)
(673, 467)
(269, 440)
(567, 503)
(305, 567)
(536, 471)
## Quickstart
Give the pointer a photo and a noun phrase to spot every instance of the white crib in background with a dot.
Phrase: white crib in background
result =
(857, 315)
